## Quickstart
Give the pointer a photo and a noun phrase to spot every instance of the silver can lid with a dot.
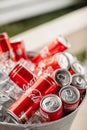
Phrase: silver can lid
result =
(78, 68)
(64, 41)
(62, 60)
(79, 81)
(50, 103)
(70, 57)
(63, 77)
(69, 94)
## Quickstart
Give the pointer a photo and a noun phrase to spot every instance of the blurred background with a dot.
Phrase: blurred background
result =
(19, 16)
(38, 21)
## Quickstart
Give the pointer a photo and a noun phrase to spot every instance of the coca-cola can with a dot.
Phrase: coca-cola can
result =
(28, 102)
(6, 50)
(70, 97)
(77, 68)
(79, 82)
(57, 61)
(22, 76)
(62, 77)
(19, 50)
(59, 44)
(51, 108)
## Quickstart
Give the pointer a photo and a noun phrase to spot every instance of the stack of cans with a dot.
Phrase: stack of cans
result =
(40, 88)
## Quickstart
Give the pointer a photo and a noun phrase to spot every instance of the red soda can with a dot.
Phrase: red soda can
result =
(28, 103)
(22, 76)
(59, 44)
(62, 77)
(57, 61)
(70, 97)
(19, 50)
(51, 108)
(6, 50)
(77, 68)
(79, 82)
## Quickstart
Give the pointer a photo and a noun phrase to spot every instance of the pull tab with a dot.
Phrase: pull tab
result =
(79, 80)
(69, 94)
(61, 77)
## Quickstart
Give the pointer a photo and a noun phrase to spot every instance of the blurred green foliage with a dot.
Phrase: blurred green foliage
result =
(21, 26)
(82, 56)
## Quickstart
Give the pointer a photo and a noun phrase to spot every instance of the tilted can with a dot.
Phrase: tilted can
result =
(70, 57)
(51, 108)
(57, 61)
(22, 76)
(59, 44)
(28, 103)
(6, 50)
(79, 82)
(62, 77)
(77, 68)
(19, 50)
(70, 97)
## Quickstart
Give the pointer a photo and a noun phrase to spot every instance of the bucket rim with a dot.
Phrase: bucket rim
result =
(47, 123)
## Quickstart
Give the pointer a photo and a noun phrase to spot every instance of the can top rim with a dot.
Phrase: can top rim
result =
(66, 65)
(74, 88)
(52, 95)
(75, 75)
(14, 117)
(64, 41)
(73, 67)
(3, 36)
(70, 77)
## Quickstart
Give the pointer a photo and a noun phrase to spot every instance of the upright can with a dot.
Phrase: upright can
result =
(62, 77)
(51, 108)
(77, 68)
(70, 97)
(19, 50)
(79, 82)
(59, 44)
(6, 50)
(28, 103)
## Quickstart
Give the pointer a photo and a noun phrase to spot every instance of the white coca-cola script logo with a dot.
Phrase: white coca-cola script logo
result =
(34, 94)
(28, 85)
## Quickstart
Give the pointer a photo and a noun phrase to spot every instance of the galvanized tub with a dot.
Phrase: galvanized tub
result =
(61, 124)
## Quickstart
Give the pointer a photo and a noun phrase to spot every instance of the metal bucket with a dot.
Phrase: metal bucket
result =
(61, 124)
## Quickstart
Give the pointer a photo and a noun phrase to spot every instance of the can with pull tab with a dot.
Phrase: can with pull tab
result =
(51, 108)
(59, 44)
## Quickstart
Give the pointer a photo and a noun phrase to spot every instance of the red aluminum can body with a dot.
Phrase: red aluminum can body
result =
(28, 103)
(51, 108)
(70, 97)
(22, 76)
(57, 45)
(57, 61)
(5, 47)
(19, 50)
(77, 68)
